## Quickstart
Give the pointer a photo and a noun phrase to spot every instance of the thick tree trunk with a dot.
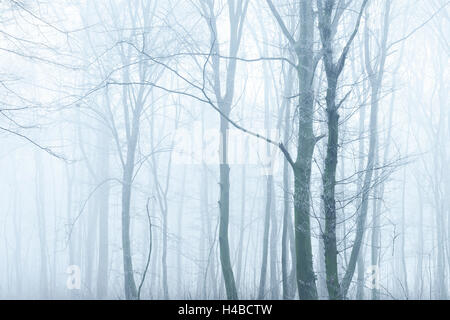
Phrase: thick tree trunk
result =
(306, 279)
(287, 292)
(329, 185)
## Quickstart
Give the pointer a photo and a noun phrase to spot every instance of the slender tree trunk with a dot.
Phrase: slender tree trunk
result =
(180, 235)
(329, 185)
(361, 276)
(376, 79)
(403, 237)
(237, 13)
(103, 235)
(263, 274)
(129, 282)
(18, 245)
(242, 222)
(361, 271)
(210, 268)
(287, 286)
(164, 257)
(274, 283)
(420, 239)
(43, 272)
(361, 219)
(224, 204)
(90, 244)
(130, 285)
(375, 233)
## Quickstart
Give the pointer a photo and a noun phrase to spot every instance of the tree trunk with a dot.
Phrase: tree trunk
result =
(43, 272)
(420, 239)
(287, 286)
(129, 283)
(263, 274)
(103, 235)
(242, 222)
(375, 234)
(376, 79)
(329, 185)
(224, 204)
(180, 235)
(237, 14)
(361, 154)
(306, 279)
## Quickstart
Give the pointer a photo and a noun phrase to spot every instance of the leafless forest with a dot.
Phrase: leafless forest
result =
(224, 149)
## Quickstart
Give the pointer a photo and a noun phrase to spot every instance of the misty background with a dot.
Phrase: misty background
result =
(214, 149)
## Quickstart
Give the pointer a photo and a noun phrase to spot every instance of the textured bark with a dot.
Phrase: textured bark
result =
(329, 174)
(237, 11)
(303, 48)
(328, 28)
(306, 279)
(329, 184)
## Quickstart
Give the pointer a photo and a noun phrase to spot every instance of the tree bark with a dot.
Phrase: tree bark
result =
(306, 279)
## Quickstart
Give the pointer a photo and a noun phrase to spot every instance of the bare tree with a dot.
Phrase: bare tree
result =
(237, 11)
(329, 13)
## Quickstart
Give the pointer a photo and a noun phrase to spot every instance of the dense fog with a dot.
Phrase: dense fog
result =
(224, 149)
